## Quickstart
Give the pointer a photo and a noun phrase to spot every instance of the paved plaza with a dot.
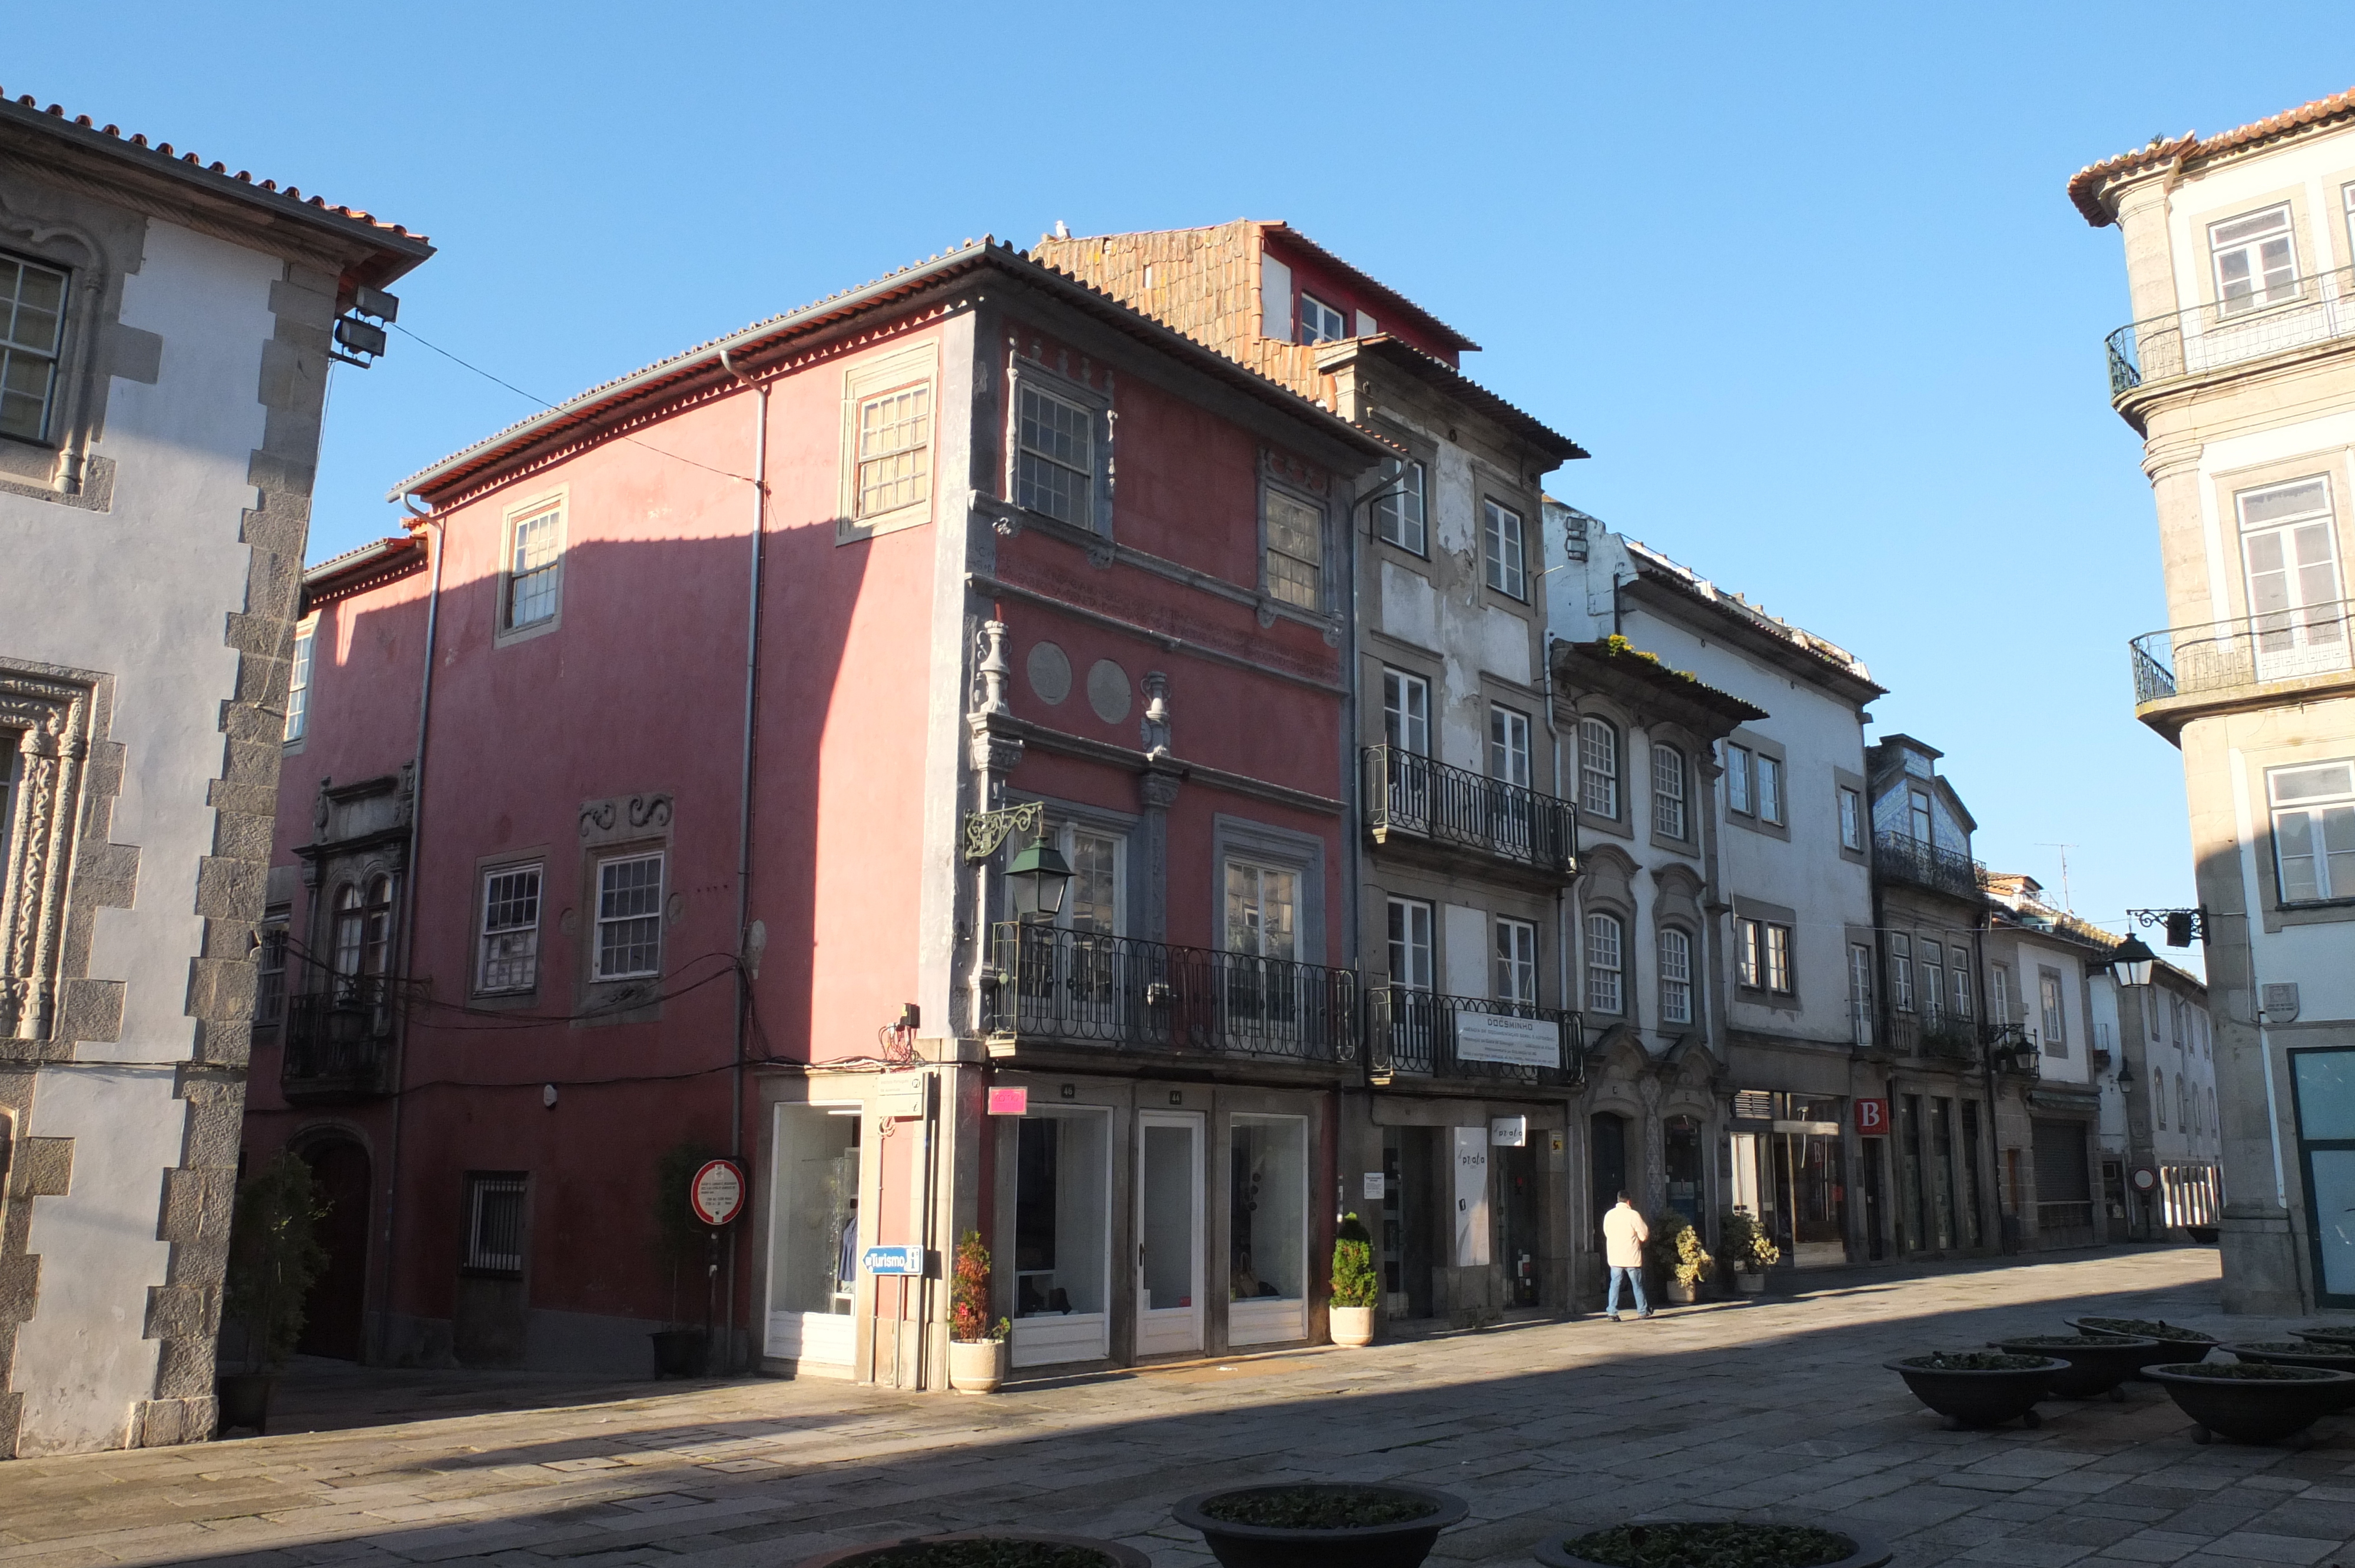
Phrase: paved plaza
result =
(1778, 1408)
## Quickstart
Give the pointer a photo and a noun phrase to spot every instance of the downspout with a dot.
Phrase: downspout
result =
(435, 539)
(744, 815)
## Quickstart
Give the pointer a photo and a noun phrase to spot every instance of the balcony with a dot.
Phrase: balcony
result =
(1942, 1038)
(2205, 338)
(1052, 987)
(2310, 644)
(1411, 797)
(339, 1042)
(1900, 857)
(1422, 1035)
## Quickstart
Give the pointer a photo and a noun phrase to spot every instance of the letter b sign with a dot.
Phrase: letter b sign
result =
(1873, 1118)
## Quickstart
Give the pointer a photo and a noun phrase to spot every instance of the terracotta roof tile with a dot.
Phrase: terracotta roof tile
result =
(2085, 185)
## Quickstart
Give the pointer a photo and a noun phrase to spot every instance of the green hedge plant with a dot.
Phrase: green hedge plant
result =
(1354, 1283)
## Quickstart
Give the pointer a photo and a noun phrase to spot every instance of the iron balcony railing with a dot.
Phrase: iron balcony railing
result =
(1060, 987)
(1901, 857)
(2245, 326)
(2276, 645)
(1940, 1037)
(1422, 1034)
(1409, 794)
(339, 1042)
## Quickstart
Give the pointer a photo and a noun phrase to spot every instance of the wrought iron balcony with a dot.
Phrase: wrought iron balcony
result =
(339, 1041)
(1900, 857)
(1411, 795)
(1938, 1038)
(1057, 987)
(1415, 1034)
(2281, 645)
(2296, 315)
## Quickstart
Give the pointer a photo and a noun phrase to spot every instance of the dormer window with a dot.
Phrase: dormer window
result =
(1320, 322)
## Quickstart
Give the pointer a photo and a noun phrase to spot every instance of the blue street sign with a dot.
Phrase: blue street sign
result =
(895, 1260)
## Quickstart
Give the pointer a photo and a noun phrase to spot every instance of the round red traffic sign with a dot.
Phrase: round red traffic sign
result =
(716, 1195)
(2145, 1179)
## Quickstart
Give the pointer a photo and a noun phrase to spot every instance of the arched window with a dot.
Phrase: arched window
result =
(1668, 791)
(363, 936)
(1598, 767)
(1605, 964)
(1676, 976)
(350, 925)
(2159, 1097)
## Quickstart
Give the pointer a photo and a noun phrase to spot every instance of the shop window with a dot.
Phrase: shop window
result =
(1062, 1187)
(1267, 1272)
(814, 1234)
(495, 1223)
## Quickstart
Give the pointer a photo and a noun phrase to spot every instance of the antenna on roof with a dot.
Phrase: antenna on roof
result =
(1062, 229)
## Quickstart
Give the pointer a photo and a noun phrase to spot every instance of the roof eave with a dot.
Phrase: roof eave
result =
(1392, 351)
(1815, 666)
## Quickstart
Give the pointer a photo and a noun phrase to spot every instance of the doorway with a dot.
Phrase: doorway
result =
(1407, 1222)
(1169, 1233)
(1681, 1135)
(335, 1312)
(1519, 1170)
(1607, 1143)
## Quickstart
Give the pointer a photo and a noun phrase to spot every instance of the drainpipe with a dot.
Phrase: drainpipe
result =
(435, 540)
(744, 814)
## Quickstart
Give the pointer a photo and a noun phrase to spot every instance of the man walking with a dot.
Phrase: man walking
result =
(1623, 1235)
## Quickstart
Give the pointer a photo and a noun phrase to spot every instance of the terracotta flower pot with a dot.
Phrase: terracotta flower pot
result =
(1353, 1326)
(976, 1366)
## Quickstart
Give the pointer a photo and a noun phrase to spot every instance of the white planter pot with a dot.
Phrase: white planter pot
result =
(1749, 1282)
(976, 1366)
(1353, 1325)
(1679, 1294)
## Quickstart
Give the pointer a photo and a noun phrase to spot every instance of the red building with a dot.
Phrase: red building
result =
(630, 816)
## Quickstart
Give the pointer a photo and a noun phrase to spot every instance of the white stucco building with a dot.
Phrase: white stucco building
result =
(164, 338)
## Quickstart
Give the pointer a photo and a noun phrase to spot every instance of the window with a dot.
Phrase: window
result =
(1516, 962)
(895, 452)
(1295, 551)
(298, 685)
(1501, 535)
(2056, 1037)
(508, 949)
(1749, 954)
(2295, 598)
(1603, 964)
(1778, 960)
(495, 1212)
(1851, 819)
(1262, 905)
(1901, 971)
(32, 331)
(2314, 830)
(270, 969)
(2183, 1115)
(1934, 979)
(2256, 262)
(1320, 322)
(1676, 976)
(1959, 966)
(1406, 712)
(1737, 778)
(1411, 943)
(1860, 992)
(535, 559)
(1918, 815)
(1092, 905)
(2158, 1098)
(629, 917)
(363, 928)
(1668, 791)
(1598, 767)
(1770, 789)
(1399, 514)
(1054, 462)
(1509, 747)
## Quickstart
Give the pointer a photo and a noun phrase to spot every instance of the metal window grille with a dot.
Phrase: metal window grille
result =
(1603, 964)
(1675, 977)
(1503, 533)
(895, 452)
(1054, 466)
(511, 934)
(629, 917)
(1668, 791)
(1399, 514)
(1296, 552)
(494, 1216)
(298, 685)
(1598, 767)
(32, 330)
(532, 570)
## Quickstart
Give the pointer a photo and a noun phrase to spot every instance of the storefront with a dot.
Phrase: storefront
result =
(814, 1240)
(1791, 1170)
(1469, 1198)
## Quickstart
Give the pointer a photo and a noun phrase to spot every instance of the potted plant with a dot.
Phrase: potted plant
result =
(983, 1549)
(1980, 1388)
(1383, 1524)
(2174, 1342)
(1678, 1257)
(1744, 1247)
(2333, 1355)
(2097, 1364)
(2327, 1334)
(679, 1347)
(2250, 1401)
(274, 1256)
(978, 1348)
(1670, 1543)
(1356, 1288)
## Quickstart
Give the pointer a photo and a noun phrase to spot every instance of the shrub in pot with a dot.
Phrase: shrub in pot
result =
(983, 1549)
(1678, 1257)
(1356, 1288)
(274, 1256)
(1321, 1525)
(1674, 1543)
(2097, 1364)
(2250, 1402)
(977, 1347)
(1744, 1248)
(1980, 1388)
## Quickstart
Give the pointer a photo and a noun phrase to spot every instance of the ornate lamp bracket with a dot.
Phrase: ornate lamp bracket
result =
(986, 831)
(2191, 925)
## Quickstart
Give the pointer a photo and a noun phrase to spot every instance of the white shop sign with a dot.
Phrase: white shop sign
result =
(1471, 1196)
(1514, 1042)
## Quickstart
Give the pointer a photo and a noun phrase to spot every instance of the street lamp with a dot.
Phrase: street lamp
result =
(2130, 962)
(1038, 878)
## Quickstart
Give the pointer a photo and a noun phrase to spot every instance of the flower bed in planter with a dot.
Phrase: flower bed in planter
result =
(977, 1549)
(2098, 1363)
(2330, 1355)
(2175, 1339)
(1980, 1388)
(1676, 1545)
(1321, 1525)
(2328, 1334)
(2250, 1401)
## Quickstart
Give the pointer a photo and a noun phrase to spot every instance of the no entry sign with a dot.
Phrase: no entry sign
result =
(717, 1194)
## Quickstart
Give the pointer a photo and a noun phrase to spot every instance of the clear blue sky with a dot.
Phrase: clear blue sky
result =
(1803, 278)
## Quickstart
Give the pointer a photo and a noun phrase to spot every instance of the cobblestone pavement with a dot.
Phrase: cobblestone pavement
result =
(1777, 1408)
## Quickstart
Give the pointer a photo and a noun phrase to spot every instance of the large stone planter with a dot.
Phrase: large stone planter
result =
(2250, 1411)
(1352, 1326)
(1554, 1551)
(2098, 1363)
(1975, 1397)
(882, 1553)
(2176, 1343)
(977, 1366)
(1750, 1281)
(2330, 1355)
(1401, 1544)
(1679, 1294)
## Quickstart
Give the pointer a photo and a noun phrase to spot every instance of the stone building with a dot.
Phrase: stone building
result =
(165, 332)
(2049, 1053)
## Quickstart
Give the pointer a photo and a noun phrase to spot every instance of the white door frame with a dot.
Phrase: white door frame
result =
(1172, 1330)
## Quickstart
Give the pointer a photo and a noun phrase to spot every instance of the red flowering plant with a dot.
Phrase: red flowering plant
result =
(969, 1295)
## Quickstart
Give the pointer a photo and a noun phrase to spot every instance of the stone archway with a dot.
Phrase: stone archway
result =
(335, 1313)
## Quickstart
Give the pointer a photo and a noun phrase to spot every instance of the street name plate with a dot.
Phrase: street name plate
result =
(1513, 1042)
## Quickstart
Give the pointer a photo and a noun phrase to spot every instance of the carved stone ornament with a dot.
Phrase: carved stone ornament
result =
(1003, 516)
(991, 753)
(989, 663)
(51, 718)
(624, 816)
(1155, 724)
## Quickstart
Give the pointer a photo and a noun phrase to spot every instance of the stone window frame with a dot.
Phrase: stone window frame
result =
(95, 348)
(58, 801)
(862, 384)
(1328, 587)
(617, 828)
(302, 662)
(1023, 372)
(1752, 817)
(538, 858)
(559, 501)
(1285, 848)
(1142, 877)
(1856, 784)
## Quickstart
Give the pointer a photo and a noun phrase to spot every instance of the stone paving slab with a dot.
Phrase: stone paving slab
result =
(1776, 1407)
